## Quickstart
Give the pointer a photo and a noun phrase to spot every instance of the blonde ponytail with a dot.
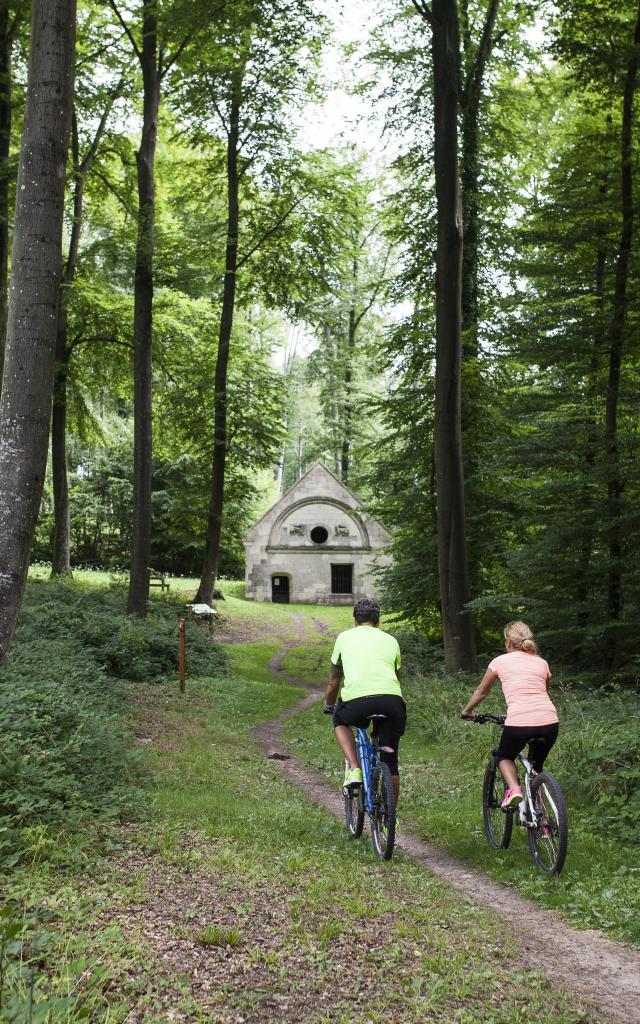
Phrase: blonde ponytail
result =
(520, 636)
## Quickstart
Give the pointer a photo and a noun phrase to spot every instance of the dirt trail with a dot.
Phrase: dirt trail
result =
(605, 974)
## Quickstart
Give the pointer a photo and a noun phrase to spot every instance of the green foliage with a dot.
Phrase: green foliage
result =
(67, 752)
(28, 940)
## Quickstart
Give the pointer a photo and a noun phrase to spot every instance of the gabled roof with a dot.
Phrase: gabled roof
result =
(286, 499)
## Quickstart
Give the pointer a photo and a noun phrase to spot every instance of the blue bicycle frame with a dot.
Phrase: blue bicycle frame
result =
(368, 759)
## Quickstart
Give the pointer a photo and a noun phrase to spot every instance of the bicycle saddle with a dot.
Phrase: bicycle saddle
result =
(372, 718)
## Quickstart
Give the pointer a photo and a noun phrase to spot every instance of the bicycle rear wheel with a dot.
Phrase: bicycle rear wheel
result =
(498, 825)
(354, 809)
(548, 840)
(383, 820)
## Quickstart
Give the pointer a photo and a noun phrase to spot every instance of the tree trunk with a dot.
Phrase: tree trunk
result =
(61, 554)
(289, 356)
(470, 175)
(617, 336)
(348, 394)
(143, 319)
(25, 405)
(6, 41)
(476, 59)
(216, 503)
(453, 569)
(332, 386)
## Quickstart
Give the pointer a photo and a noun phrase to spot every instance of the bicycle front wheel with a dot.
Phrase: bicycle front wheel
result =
(354, 810)
(383, 820)
(498, 825)
(548, 840)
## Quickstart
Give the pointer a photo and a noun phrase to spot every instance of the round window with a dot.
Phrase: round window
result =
(319, 535)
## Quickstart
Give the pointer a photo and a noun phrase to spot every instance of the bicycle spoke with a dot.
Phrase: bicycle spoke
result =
(548, 839)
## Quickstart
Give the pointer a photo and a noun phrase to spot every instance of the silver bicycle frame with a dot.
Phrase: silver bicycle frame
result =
(529, 773)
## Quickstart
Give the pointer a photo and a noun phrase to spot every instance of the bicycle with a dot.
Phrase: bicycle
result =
(542, 811)
(375, 795)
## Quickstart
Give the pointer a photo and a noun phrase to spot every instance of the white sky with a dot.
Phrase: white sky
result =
(344, 119)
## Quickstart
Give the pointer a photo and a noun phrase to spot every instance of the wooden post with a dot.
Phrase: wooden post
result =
(182, 651)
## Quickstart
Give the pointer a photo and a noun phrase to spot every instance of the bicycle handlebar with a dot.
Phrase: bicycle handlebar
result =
(483, 719)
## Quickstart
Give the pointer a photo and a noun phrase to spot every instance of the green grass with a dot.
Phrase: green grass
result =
(397, 931)
(239, 864)
(235, 896)
(442, 764)
(214, 935)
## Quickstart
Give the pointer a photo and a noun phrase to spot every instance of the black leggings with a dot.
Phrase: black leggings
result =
(356, 713)
(515, 738)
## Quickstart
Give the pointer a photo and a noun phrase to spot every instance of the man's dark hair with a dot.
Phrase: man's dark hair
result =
(367, 610)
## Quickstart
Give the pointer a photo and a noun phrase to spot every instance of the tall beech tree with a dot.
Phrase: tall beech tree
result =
(158, 34)
(259, 68)
(11, 17)
(25, 403)
(218, 469)
(81, 164)
(453, 559)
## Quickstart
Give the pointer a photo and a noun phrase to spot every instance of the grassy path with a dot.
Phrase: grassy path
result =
(246, 903)
(600, 971)
(236, 899)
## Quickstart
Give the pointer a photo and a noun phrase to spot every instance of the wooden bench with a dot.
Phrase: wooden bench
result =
(158, 579)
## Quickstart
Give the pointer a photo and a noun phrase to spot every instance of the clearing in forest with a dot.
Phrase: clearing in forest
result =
(241, 900)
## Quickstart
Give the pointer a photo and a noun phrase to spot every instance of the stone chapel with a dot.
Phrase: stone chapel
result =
(315, 545)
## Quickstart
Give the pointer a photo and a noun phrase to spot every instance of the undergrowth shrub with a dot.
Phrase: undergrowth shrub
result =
(66, 752)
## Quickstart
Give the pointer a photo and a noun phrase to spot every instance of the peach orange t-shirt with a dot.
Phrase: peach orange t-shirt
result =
(524, 684)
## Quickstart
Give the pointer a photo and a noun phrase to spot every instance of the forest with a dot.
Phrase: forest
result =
(235, 302)
(241, 236)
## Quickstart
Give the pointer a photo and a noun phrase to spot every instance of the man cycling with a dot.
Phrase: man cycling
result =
(366, 661)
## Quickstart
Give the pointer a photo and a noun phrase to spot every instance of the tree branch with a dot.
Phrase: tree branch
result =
(476, 71)
(272, 231)
(89, 156)
(99, 338)
(375, 292)
(114, 8)
(423, 10)
(175, 57)
(114, 191)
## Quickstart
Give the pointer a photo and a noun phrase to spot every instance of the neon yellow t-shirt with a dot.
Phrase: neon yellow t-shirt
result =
(369, 659)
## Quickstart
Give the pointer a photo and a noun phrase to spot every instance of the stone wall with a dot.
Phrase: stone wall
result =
(282, 542)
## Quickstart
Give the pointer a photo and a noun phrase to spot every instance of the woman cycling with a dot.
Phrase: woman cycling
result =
(530, 712)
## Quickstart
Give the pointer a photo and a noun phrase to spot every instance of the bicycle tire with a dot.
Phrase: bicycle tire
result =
(354, 810)
(383, 819)
(548, 841)
(498, 825)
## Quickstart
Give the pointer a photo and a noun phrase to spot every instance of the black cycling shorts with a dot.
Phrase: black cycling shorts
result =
(356, 713)
(539, 737)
